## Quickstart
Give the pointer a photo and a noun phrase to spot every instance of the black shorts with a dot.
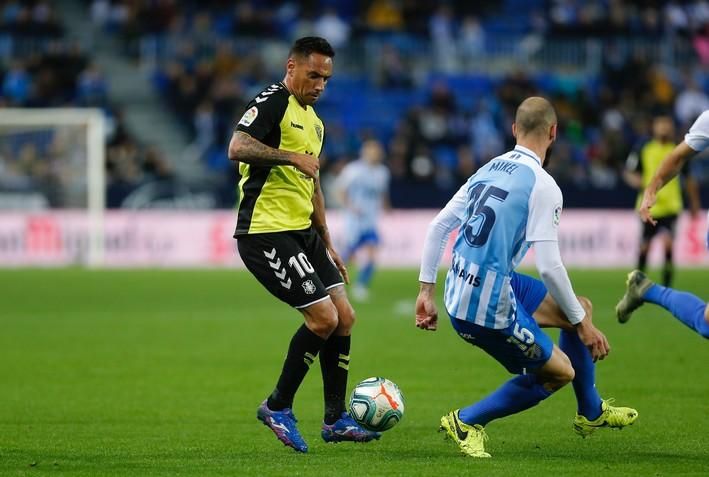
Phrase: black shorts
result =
(294, 266)
(667, 224)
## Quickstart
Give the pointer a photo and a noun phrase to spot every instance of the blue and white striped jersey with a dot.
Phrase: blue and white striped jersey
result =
(507, 205)
(365, 186)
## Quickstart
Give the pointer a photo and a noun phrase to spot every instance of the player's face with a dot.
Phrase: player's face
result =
(308, 77)
(662, 128)
(372, 152)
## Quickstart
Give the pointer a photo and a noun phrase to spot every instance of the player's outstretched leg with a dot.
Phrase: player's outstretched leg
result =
(611, 416)
(470, 439)
(466, 426)
(636, 286)
(686, 307)
(283, 425)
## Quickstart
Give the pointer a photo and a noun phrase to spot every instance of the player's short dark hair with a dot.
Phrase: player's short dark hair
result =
(306, 46)
(534, 116)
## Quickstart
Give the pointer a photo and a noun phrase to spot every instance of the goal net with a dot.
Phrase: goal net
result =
(52, 164)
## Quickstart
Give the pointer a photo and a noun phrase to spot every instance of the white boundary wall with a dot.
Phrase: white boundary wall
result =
(593, 238)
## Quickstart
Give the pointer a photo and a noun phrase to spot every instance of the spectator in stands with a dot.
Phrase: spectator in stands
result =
(331, 27)
(16, 86)
(691, 102)
(92, 88)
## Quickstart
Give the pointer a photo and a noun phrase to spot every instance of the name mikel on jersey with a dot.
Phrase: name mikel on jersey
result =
(504, 166)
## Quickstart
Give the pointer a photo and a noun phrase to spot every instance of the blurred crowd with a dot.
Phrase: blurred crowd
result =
(45, 166)
(211, 59)
(417, 76)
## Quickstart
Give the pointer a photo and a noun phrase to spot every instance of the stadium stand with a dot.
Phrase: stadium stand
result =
(437, 84)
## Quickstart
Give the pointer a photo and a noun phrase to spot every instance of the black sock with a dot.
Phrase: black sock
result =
(668, 270)
(303, 349)
(335, 365)
(642, 261)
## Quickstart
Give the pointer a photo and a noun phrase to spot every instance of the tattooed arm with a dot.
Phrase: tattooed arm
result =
(248, 150)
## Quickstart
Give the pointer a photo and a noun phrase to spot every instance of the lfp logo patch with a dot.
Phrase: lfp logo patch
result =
(249, 116)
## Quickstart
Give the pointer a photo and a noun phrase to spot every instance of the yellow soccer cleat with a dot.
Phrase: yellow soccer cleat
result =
(470, 439)
(611, 416)
(636, 286)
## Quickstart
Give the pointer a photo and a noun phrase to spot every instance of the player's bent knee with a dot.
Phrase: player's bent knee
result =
(560, 378)
(347, 316)
(322, 318)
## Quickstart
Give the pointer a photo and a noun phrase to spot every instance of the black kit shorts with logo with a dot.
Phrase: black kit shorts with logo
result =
(294, 265)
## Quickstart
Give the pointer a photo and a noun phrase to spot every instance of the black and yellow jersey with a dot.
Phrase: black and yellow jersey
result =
(277, 198)
(645, 160)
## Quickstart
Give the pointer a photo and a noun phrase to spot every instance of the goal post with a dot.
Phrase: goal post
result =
(91, 122)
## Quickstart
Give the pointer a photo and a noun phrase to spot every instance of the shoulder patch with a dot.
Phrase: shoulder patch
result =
(318, 131)
(249, 116)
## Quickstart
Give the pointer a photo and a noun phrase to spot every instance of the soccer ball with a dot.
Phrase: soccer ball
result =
(377, 404)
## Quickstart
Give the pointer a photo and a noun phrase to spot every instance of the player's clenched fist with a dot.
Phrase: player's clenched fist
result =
(307, 164)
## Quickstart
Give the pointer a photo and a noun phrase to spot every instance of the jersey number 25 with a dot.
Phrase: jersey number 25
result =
(482, 216)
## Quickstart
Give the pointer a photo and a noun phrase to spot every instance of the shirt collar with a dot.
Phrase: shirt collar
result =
(529, 153)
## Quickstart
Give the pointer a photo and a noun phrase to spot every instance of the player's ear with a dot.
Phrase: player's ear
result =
(552, 132)
(514, 130)
(290, 66)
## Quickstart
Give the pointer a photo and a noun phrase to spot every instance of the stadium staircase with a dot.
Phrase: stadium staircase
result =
(129, 87)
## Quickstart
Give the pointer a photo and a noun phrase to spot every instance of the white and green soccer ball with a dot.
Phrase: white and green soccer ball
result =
(377, 404)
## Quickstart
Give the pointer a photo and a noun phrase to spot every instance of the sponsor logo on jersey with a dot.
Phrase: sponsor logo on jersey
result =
(461, 272)
(297, 126)
(249, 116)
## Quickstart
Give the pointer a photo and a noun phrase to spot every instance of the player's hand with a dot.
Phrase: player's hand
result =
(426, 312)
(305, 163)
(340, 265)
(594, 340)
(649, 200)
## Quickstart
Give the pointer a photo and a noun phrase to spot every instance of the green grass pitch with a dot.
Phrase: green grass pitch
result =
(160, 372)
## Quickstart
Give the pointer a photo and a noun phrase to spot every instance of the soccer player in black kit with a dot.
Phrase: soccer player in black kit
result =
(283, 239)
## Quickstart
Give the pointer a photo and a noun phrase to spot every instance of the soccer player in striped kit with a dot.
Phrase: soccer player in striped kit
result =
(509, 205)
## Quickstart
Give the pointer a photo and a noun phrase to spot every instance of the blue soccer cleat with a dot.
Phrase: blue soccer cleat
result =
(282, 423)
(346, 429)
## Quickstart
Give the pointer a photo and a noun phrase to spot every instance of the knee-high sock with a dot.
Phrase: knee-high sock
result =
(687, 308)
(335, 365)
(642, 259)
(517, 394)
(668, 269)
(304, 347)
(584, 383)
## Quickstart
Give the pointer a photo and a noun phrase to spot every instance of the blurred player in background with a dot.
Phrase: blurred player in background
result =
(509, 205)
(283, 238)
(363, 190)
(640, 169)
(686, 307)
